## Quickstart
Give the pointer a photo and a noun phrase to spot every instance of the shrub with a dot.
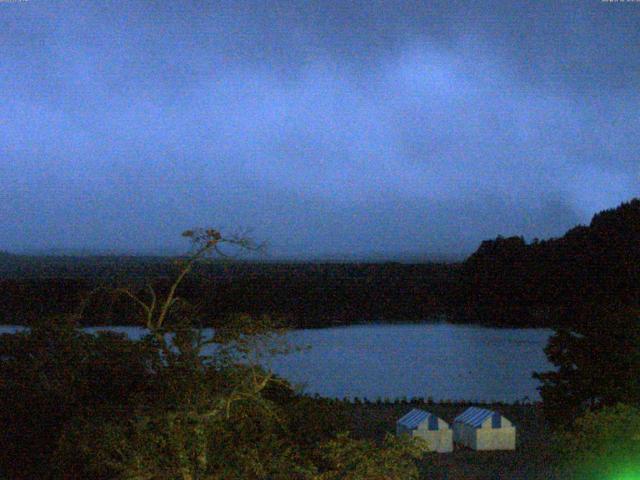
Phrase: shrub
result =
(602, 444)
(56, 372)
(346, 459)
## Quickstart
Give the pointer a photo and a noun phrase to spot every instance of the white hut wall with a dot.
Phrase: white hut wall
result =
(440, 440)
(496, 438)
(437, 440)
(502, 438)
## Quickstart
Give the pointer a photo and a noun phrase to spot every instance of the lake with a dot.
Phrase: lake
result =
(442, 361)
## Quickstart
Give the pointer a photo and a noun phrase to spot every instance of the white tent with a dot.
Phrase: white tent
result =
(481, 429)
(425, 425)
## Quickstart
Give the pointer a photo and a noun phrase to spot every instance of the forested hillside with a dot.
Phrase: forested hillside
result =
(506, 282)
(594, 264)
(303, 294)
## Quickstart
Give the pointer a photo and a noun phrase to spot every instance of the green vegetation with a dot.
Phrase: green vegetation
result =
(597, 362)
(75, 405)
(602, 444)
(54, 374)
(592, 396)
(78, 406)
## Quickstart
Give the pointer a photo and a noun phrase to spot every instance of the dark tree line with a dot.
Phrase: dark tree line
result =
(507, 282)
(591, 279)
(533, 282)
(305, 295)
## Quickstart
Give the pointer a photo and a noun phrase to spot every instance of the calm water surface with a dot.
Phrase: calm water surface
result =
(441, 361)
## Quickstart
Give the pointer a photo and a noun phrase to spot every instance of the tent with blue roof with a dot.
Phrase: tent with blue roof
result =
(482, 429)
(425, 425)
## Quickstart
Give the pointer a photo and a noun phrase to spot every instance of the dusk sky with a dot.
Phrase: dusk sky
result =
(327, 128)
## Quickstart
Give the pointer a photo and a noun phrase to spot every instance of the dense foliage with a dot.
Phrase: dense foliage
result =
(519, 283)
(308, 295)
(597, 362)
(53, 374)
(345, 459)
(602, 444)
(593, 392)
(173, 405)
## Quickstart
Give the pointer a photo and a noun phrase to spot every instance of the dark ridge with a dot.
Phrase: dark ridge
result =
(506, 282)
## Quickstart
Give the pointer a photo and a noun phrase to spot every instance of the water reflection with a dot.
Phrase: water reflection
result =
(441, 361)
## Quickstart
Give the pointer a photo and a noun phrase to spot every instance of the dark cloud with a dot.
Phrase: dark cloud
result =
(328, 127)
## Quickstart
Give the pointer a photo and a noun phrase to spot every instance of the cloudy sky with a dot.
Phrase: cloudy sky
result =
(326, 128)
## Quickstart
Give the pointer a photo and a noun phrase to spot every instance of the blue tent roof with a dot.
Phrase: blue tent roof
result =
(474, 416)
(416, 416)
